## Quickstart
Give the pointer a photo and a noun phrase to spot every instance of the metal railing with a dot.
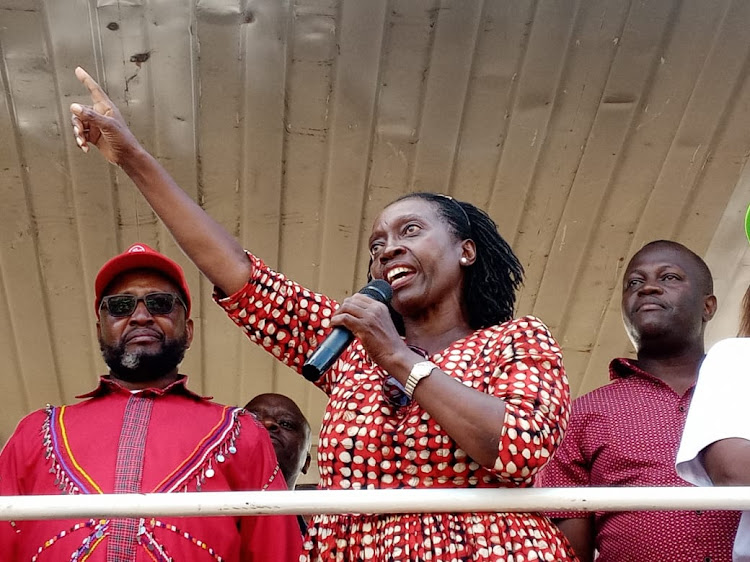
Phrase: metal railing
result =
(373, 501)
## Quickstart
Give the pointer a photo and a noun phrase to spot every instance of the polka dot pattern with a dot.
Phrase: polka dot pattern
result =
(369, 442)
(436, 537)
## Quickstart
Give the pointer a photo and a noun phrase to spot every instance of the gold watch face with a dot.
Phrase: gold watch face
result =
(423, 369)
(418, 372)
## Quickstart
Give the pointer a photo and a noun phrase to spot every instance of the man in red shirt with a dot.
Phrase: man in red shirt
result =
(627, 432)
(141, 430)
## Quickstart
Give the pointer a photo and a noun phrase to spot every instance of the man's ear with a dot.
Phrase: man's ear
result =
(189, 331)
(306, 466)
(709, 308)
(98, 330)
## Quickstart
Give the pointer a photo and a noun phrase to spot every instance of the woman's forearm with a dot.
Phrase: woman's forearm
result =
(213, 250)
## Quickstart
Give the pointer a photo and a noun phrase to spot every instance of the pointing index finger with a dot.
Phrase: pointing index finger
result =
(97, 94)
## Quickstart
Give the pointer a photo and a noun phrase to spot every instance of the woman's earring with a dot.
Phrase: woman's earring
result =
(464, 261)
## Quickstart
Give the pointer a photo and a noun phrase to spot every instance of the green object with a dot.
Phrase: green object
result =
(747, 223)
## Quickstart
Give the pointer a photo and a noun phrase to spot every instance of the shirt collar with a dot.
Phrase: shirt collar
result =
(107, 385)
(621, 367)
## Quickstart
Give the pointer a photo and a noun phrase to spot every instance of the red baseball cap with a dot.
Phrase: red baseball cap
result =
(140, 256)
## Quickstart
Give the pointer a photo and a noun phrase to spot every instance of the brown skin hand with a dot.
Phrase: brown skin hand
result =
(216, 253)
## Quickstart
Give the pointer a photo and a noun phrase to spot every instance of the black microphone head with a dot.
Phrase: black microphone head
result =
(378, 290)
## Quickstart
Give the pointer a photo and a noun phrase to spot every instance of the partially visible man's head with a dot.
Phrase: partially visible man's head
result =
(289, 432)
(667, 295)
(143, 303)
(744, 331)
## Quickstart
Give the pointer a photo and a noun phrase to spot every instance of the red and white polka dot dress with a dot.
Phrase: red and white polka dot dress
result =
(368, 440)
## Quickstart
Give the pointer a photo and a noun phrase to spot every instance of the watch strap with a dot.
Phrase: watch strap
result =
(418, 372)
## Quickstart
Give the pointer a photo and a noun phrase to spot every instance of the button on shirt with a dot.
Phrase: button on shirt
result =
(626, 434)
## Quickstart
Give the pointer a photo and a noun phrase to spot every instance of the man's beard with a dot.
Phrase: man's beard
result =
(140, 365)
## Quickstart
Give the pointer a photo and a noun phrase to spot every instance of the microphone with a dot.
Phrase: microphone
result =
(340, 338)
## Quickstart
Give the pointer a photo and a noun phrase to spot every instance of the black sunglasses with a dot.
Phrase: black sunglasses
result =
(119, 306)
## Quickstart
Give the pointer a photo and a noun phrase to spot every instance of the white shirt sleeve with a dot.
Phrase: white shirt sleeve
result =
(719, 408)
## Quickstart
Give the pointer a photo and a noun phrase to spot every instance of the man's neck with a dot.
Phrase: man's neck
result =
(160, 382)
(678, 368)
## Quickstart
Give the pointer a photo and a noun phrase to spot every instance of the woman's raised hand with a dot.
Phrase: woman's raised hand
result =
(214, 250)
(101, 123)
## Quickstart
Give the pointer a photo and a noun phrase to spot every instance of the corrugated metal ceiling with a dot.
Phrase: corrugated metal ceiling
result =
(585, 128)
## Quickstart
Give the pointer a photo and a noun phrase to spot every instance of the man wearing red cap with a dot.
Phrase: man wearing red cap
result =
(141, 430)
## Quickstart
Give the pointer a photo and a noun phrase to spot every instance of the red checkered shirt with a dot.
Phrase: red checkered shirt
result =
(128, 472)
(626, 434)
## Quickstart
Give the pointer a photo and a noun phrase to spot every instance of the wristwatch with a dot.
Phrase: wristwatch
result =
(418, 372)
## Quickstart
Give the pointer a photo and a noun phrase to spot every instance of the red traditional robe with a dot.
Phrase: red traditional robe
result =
(169, 440)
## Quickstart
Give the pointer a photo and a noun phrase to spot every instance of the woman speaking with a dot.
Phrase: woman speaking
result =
(444, 389)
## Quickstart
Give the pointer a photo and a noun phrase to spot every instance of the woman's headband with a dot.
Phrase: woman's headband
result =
(463, 211)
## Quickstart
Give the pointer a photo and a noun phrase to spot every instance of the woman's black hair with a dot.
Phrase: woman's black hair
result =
(490, 283)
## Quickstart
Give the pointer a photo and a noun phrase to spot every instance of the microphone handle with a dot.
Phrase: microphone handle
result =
(340, 338)
(327, 353)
